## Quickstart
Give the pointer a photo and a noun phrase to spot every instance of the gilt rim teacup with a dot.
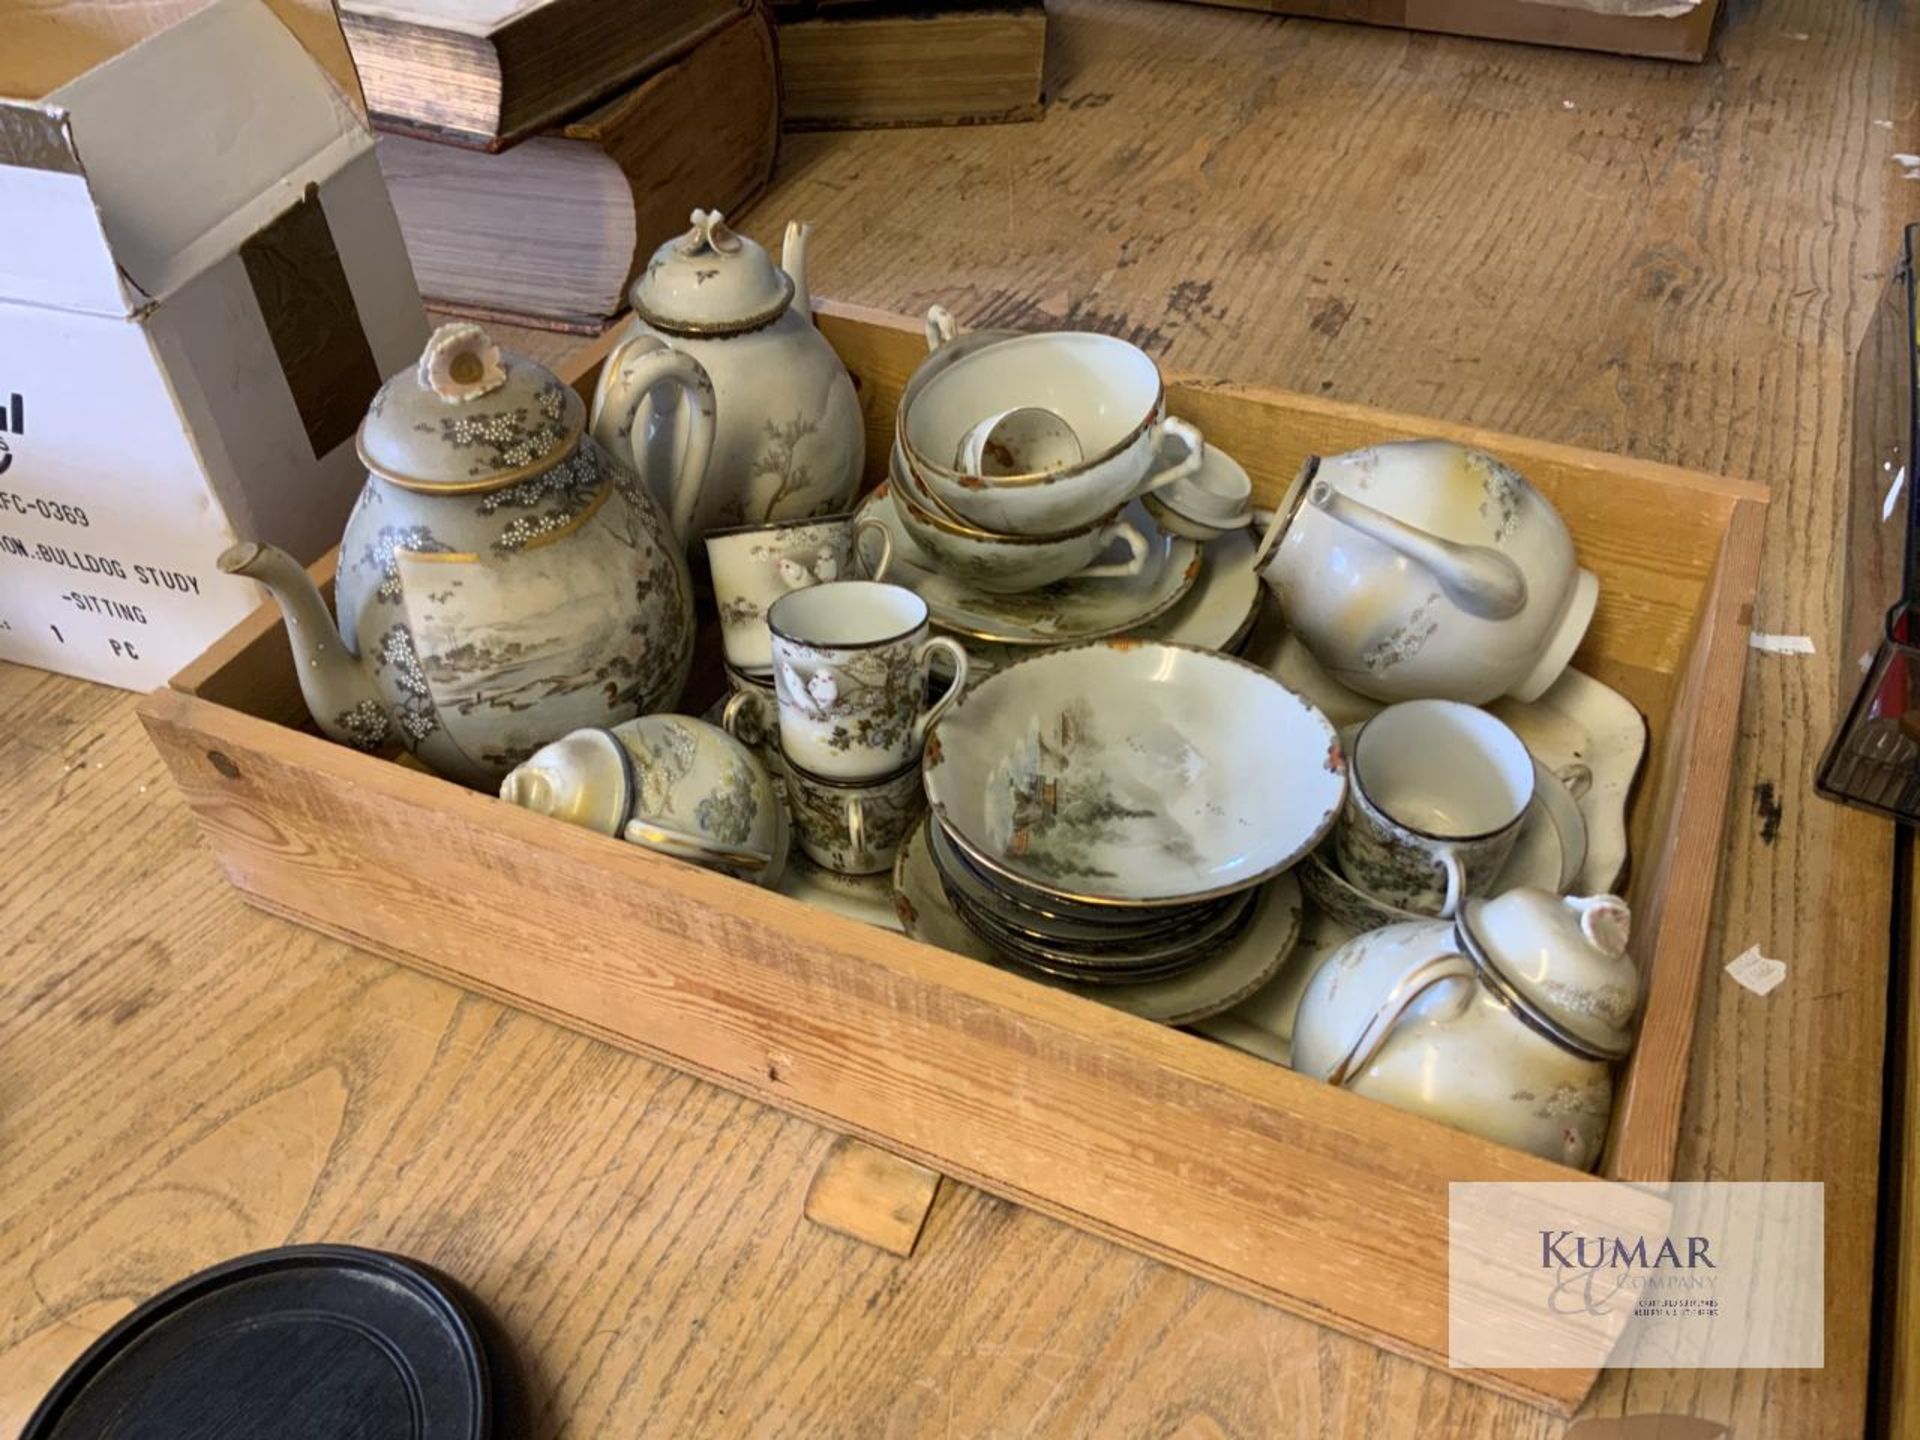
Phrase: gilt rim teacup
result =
(754, 565)
(1432, 780)
(853, 827)
(851, 663)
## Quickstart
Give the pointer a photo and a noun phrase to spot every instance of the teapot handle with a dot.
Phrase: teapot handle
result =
(622, 415)
(1477, 578)
(1409, 988)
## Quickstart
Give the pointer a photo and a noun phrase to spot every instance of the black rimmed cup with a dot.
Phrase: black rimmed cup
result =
(1436, 797)
(850, 664)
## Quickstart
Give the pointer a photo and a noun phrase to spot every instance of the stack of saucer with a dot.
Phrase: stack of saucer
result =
(1087, 943)
(1112, 814)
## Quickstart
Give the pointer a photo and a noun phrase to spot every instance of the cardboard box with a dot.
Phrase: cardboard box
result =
(202, 284)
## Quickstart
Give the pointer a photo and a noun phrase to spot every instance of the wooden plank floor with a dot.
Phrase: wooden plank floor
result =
(1672, 262)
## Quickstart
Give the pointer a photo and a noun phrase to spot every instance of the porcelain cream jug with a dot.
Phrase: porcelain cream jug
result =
(1423, 569)
(503, 580)
(790, 444)
(1506, 1022)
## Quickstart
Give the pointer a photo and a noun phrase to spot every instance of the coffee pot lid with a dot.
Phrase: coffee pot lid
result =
(1561, 962)
(469, 416)
(711, 281)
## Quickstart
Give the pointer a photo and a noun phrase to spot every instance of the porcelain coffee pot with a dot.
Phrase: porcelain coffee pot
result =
(1425, 570)
(1506, 1022)
(503, 580)
(791, 443)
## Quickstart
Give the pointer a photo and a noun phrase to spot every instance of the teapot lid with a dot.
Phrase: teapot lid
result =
(1561, 963)
(469, 416)
(711, 281)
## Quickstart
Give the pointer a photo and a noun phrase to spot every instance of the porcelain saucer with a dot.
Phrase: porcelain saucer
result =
(1062, 613)
(1217, 614)
(1050, 920)
(1117, 958)
(1215, 985)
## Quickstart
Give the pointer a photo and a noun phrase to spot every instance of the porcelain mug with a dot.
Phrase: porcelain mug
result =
(854, 828)
(1437, 792)
(754, 565)
(850, 663)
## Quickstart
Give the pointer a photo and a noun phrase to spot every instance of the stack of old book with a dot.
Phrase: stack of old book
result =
(537, 151)
(851, 64)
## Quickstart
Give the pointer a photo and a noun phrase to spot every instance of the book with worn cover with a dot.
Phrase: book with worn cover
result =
(486, 73)
(549, 232)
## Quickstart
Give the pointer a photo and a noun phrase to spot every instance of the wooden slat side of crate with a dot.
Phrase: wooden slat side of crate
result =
(1306, 1197)
(1674, 886)
(1303, 1195)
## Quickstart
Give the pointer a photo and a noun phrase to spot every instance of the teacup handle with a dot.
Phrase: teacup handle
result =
(920, 659)
(1189, 464)
(1410, 987)
(857, 830)
(730, 714)
(870, 525)
(1456, 873)
(1577, 777)
(1116, 569)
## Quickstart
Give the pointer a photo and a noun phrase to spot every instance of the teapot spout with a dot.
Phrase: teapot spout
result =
(1477, 578)
(333, 680)
(793, 260)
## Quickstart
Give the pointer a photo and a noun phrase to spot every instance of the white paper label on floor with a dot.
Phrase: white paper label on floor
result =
(1781, 644)
(1893, 493)
(1759, 973)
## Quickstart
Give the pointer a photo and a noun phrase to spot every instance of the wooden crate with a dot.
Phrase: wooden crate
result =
(1309, 1197)
(1535, 22)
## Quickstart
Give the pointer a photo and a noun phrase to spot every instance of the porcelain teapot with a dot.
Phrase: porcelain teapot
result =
(1506, 1022)
(791, 443)
(1422, 569)
(503, 580)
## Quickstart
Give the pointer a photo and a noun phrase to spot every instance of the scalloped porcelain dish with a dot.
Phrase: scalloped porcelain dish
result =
(1134, 773)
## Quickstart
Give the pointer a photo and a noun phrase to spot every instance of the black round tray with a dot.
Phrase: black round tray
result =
(309, 1342)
